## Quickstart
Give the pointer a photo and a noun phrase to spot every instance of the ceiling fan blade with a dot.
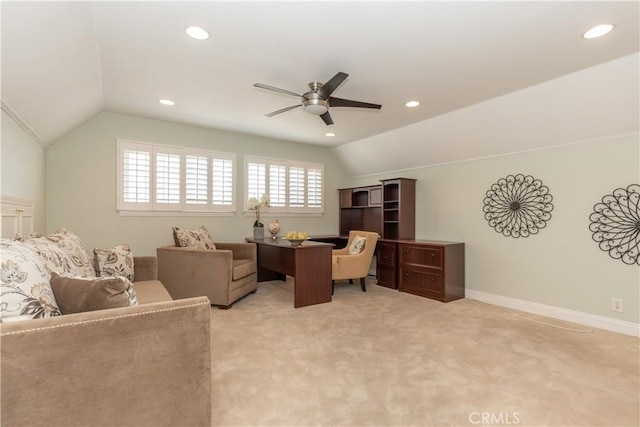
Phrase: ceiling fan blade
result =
(276, 89)
(326, 118)
(283, 110)
(339, 102)
(327, 89)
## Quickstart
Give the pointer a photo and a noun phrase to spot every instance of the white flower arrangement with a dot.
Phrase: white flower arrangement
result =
(257, 205)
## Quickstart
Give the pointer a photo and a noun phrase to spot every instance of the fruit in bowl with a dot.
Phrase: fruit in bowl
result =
(296, 237)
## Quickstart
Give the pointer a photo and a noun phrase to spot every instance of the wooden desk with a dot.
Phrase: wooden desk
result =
(309, 264)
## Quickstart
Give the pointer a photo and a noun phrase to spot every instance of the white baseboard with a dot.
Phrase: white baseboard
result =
(601, 322)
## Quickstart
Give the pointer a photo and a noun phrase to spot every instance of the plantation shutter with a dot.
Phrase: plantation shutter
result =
(168, 167)
(296, 187)
(278, 185)
(256, 180)
(222, 181)
(314, 188)
(134, 176)
(196, 181)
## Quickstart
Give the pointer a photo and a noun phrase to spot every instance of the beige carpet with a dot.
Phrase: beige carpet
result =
(385, 358)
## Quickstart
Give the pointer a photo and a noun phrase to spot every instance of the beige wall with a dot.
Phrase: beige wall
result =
(561, 266)
(81, 183)
(23, 168)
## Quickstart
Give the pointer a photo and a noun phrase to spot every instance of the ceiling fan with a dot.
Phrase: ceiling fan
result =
(318, 99)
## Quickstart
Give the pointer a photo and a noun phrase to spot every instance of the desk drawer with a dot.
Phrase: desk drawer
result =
(420, 282)
(386, 255)
(421, 255)
(386, 277)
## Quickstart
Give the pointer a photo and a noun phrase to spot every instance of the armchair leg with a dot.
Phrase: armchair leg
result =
(225, 307)
(333, 286)
(351, 281)
(363, 285)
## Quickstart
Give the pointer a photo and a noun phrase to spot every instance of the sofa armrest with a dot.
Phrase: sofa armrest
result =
(240, 250)
(145, 268)
(141, 365)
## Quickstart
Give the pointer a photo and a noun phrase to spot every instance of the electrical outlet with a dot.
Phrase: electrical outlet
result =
(617, 305)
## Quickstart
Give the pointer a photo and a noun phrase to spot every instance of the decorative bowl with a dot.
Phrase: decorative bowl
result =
(295, 242)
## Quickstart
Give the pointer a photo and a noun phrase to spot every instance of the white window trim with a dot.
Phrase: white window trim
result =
(181, 209)
(285, 211)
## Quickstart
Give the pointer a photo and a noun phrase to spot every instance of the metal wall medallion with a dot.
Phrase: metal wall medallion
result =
(615, 224)
(518, 206)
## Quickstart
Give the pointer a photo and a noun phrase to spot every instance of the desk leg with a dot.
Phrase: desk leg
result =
(313, 276)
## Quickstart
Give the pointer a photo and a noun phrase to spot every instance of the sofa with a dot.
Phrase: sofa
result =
(146, 364)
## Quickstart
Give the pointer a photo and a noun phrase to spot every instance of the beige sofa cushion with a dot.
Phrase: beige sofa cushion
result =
(80, 294)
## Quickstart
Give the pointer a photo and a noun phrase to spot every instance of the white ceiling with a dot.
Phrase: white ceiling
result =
(64, 62)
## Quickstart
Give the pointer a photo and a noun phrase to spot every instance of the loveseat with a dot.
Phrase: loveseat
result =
(141, 365)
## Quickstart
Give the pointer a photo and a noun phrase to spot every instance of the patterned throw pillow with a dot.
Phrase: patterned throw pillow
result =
(25, 288)
(117, 261)
(357, 246)
(197, 239)
(80, 294)
(52, 255)
(81, 262)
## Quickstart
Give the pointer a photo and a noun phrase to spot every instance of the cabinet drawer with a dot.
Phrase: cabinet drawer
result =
(386, 254)
(386, 277)
(421, 283)
(421, 255)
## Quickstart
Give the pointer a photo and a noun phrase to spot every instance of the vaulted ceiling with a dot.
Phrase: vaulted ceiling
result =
(65, 62)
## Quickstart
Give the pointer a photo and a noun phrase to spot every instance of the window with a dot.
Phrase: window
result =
(293, 187)
(153, 177)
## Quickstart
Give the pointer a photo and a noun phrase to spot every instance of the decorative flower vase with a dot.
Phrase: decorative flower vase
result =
(258, 233)
(274, 228)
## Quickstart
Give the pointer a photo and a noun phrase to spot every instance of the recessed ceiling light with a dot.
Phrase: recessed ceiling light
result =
(330, 134)
(412, 104)
(598, 31)
(197, 33)
(166, 102)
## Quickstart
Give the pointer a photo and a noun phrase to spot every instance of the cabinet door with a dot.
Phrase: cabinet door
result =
(375, 196)
(345, 198)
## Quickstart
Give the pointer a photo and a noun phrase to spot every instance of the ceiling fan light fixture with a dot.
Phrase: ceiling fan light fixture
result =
(315, 106)
(197, 33)
(412, 104)
(330, 134)
(598, 31)
(166, 102)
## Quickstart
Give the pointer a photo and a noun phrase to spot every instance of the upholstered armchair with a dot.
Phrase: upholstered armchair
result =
(351, 262)
(224, 274)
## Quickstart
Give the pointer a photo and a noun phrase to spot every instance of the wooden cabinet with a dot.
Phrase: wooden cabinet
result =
(360, 209)
(399, 209)
(386, 264)
(388, 209)
(431, 269)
